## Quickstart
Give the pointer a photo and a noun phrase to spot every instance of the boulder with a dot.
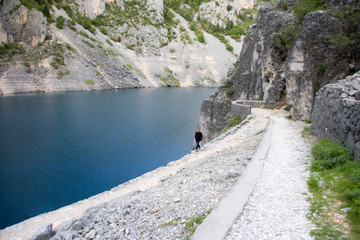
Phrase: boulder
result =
(336, 113)
(214, 115)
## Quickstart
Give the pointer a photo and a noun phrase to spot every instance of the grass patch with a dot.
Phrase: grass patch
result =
(60, 74)
(306, 133)
(289, 117)
(88, 43)
(129, 66)
(90, 82)
(234, 121)
(192, 224)
(335, 186)
(70, 48)
(60, 22)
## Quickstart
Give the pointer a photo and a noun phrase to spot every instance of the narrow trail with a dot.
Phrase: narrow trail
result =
(276, 206)
(265, 182)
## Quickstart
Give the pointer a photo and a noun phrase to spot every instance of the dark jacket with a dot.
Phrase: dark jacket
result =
(198, 136)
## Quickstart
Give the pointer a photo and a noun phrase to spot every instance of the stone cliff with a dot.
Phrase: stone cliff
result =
(294, 49)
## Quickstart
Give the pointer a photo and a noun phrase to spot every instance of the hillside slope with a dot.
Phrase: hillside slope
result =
(63, 45)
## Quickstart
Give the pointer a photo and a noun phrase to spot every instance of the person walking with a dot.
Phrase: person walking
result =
(198, 139)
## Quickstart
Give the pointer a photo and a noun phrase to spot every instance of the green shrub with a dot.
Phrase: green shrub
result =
(88, 43)
(70, 48)
(229, 7)
(103, 31)
(90, 82)
(200, 37)
(284, 39)
(234, 121)
(303, 7)
(236, 31)
(58, 55)
(229, 47)
(60, 74)
(328, 155)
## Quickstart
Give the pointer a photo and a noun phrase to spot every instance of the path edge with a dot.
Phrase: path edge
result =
(217, 225)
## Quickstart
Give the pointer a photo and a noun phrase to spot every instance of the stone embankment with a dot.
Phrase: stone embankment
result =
(162, 203)
(336, 113)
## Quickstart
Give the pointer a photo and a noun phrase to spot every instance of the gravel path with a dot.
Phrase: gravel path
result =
(277, 208)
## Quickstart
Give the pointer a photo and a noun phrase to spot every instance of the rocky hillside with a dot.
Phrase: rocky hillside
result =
(295, 48)
(66, 45)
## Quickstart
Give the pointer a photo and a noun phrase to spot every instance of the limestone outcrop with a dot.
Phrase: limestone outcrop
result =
(287, 59)
(215, 113)
(18, 24)
(336, 113)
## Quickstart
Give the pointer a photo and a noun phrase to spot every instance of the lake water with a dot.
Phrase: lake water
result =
(59, 148)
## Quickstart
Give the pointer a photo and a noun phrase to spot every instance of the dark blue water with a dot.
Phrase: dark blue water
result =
(58, 148)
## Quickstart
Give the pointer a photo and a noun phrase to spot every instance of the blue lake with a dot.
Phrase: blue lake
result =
(59, 148)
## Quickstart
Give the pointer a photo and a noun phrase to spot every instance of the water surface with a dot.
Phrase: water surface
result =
(59, 148)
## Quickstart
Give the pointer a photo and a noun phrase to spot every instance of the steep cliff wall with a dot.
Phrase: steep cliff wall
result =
(292, 51)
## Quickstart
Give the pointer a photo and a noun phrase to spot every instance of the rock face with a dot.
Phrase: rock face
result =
(215, 113)
(336, 113)
(283, 61)
(259, 72)
(91, 8)
(315, 61)
(18, 24)
(220, 12)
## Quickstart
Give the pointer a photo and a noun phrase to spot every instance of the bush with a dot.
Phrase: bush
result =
(60, 22)
(200, 37)
(328, 155)
(229, 47)
(303, 7)
(90, 82)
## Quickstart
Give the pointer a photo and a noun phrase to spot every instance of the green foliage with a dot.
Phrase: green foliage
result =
(234, 121)
(289, 117)
(58, 55)
(43, 6)
(284, 39)
(88, 43)
(70, 48)
(322, 68)
(103, 31)
(229, 47)
(340, 189)
(306, 133)
(283, 5)
(236, 31)
(193, 223)
(328, 155)
(90, 82)
(86, 23)
(228, 86)
(109, 42)
(229, 7)
(129, 66)
(60, 22)
(10, 49)
(200, 37)
(60, 74)
(303, 7)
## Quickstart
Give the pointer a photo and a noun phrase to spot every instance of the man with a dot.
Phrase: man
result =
(198, 139)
